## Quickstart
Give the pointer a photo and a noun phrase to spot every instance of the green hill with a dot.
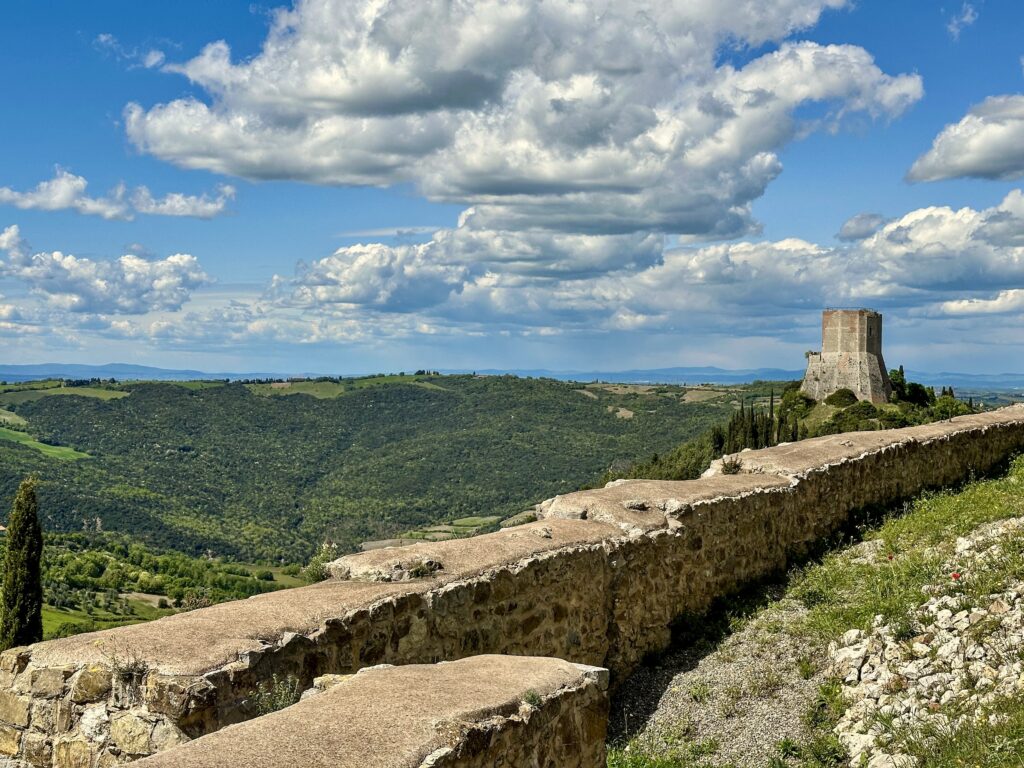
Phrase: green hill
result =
(265, 471)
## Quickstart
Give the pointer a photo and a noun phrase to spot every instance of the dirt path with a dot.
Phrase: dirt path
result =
(731, 700)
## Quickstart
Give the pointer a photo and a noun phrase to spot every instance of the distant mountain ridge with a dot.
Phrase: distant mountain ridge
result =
(120, 371)
(676, 375)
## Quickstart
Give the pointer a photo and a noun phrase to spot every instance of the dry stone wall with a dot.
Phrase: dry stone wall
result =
(598, 580)
(484, 711)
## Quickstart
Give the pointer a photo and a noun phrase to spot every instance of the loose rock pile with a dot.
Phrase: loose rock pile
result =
(964, 655)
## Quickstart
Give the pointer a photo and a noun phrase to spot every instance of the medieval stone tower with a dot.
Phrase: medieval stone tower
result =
(850, 357)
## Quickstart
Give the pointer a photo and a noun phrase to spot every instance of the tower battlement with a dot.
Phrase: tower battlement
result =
(850, 357)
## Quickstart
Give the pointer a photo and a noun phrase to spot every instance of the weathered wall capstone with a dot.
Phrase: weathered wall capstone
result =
(477, 712)
(597, 581)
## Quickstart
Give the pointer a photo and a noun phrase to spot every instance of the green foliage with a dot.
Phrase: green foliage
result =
(11, 420)
(858, 417)
(316, 568)
(275, 694)
(947, 406)
(16, 434)
(754, 425)
(912, 403)
(906, 552)
(663, 747)
(77, 566)
(25, 394)
(93, 581)
(264, 478)
(796, 402)
(842, 398)
(991, 739)
(910, 392)
(732, 466)
(21, 619)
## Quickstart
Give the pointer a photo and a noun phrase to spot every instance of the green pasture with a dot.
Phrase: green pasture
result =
(53, 451)
(18, 396)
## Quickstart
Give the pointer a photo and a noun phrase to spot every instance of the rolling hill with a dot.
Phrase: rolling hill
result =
(266, 472)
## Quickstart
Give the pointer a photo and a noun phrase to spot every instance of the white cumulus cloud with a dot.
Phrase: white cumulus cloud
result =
(177, 204)
(126, 285)
(469, 281)
(67, 191)
(1011, 300)
(987, 143)
(578, 117)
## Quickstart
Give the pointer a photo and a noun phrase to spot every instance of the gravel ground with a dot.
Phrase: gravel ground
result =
(733, 699)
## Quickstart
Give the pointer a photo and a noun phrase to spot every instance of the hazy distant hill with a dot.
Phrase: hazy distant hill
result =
(119, 371)
(691, 376)
(677, 375)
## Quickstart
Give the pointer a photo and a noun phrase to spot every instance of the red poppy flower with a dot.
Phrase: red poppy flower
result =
(955, 576)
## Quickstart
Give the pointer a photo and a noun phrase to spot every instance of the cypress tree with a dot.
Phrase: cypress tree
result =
(21, 617)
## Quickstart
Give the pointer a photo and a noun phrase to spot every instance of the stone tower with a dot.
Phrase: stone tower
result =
(850, 357)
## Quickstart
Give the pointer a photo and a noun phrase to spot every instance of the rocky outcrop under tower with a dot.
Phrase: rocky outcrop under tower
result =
(850, 357)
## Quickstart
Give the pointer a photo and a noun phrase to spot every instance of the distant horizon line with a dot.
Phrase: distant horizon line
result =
(112, 367)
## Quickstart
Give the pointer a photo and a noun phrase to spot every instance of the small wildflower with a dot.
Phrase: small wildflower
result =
(890, 555)
(955, 575)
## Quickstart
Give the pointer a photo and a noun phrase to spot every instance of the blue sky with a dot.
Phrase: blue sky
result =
(523, 184)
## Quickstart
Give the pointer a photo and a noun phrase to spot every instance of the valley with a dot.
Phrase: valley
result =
(267, 471)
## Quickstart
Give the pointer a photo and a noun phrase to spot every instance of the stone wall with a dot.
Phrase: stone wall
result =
(598, 580)
(484, 711)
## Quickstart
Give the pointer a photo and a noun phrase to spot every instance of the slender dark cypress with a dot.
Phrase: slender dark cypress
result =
(21, 605)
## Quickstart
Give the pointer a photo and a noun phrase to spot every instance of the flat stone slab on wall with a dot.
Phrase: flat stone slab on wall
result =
(599, 581)
(482, 711)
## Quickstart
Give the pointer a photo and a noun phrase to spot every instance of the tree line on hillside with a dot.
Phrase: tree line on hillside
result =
(762, 426)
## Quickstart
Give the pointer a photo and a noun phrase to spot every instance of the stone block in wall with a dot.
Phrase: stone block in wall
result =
(130, 733)
(15, 709)
(36, 750)
(49, 681)
(480, 711)
(91, 683)
(74, 753)
(10, 741)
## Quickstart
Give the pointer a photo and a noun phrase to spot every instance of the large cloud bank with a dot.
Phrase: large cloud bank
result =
(570, 116)
(592, 145)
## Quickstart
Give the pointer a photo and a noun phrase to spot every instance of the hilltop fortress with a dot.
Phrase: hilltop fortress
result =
(850, 357)
(504, 646)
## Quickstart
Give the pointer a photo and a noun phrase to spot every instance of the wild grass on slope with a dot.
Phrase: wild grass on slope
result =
(847, 589)
(982, 743)
(906, 552)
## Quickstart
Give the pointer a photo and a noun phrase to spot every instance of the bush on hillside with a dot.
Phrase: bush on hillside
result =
(796, 403)
(316, 570)
(842, 398)
(861, 410)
